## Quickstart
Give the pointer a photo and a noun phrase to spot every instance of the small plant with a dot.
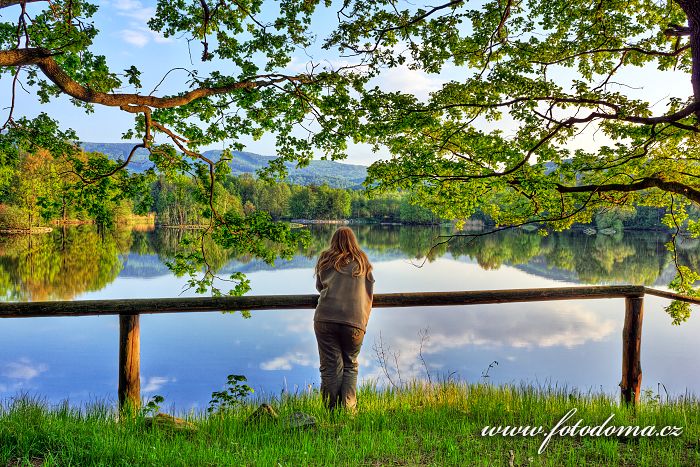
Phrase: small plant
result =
(234, 394)
(648, 397)
(485, 373)
(152, 407)
(382, 354)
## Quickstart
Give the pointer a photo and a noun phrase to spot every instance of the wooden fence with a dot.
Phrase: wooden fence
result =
(129, 390)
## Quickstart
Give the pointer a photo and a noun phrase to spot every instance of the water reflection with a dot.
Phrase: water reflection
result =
(71, 261)
(62, 265)
(187, 356)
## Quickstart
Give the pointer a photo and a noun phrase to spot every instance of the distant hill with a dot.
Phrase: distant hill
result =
(333, 173)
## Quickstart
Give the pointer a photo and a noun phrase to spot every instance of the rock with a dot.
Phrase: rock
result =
(301, 420)
(608, 231)
(264, 413)
(589, 231)
(168, 422)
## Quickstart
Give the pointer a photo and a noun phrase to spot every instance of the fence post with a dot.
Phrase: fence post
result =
(129, 362)
(631, 383)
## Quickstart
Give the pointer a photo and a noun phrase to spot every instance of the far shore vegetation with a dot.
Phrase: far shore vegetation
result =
(41, 193)
(419, 424)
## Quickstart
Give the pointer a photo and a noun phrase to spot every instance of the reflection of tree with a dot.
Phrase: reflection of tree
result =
(168, 242)
(491, 251)
(71, 261)
(380, 240)
(633, 258)
(630, 258)
(60, 265)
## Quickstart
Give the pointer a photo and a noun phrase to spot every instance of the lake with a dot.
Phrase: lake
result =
(184, 357)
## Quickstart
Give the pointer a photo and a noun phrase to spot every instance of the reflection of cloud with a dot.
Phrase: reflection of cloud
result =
(285, 362)
(23, 369)
(536, 325)
(510, 329)
(154, 383)
(533, 325)
(13, 388)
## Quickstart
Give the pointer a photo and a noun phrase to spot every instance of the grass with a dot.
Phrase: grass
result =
(422, 424)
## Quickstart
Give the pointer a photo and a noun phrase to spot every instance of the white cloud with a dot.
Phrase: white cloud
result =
(23, 369)
(154, 383)
(127, 4)
(285, 362)
(137, 34)
(306, 64)
(140, 36)
(409, 81)
(136, 38)
(158, 38)
(134, 9)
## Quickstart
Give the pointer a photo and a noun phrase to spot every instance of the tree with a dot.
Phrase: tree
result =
(414, 214)
(330, 203)
(539, 119)
(31, 186)
(302, 202)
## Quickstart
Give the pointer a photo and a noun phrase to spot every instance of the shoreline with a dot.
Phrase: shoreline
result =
(32, 231)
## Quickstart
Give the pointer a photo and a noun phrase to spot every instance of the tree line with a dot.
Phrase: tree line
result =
(38, 188)
(176, 202)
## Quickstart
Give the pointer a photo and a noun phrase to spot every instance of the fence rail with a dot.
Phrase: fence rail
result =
(130, 309)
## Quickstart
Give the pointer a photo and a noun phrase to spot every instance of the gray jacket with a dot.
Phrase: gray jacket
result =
(344, 299)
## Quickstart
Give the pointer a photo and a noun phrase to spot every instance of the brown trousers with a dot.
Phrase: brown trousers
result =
(338, 348)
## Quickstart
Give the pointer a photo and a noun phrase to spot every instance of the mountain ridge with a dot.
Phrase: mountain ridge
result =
(335, 174)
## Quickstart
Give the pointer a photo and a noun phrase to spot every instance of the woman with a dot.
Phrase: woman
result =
(344, 280)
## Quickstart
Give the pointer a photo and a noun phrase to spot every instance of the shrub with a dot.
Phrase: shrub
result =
(12, 217)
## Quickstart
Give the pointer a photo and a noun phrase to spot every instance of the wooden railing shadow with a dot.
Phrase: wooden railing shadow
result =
(129, 390)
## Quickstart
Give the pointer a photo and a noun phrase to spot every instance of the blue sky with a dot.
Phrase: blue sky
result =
(126, 40)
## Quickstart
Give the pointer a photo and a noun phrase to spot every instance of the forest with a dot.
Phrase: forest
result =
(41, 190)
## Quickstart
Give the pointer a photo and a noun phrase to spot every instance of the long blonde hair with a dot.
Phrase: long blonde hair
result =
(343, 250)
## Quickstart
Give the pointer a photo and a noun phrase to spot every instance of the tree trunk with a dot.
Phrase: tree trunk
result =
(631, 384)
(129, 391)
(691, 8)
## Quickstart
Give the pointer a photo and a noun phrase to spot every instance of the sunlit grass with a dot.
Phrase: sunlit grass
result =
(420, 424)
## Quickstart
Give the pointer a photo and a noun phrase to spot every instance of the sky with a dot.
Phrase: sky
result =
(126, 40)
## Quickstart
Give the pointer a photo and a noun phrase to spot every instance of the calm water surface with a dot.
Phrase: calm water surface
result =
(185, 357)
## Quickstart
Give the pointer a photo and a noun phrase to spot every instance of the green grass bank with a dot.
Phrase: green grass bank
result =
(438, 424)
